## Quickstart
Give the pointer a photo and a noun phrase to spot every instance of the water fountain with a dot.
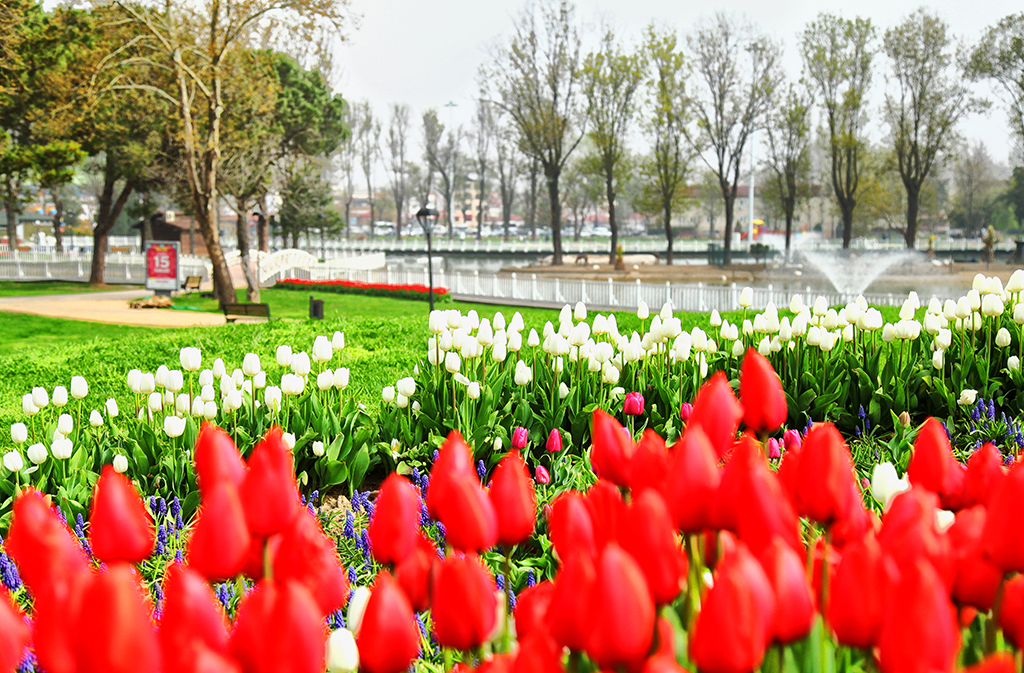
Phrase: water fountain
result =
(851, 272)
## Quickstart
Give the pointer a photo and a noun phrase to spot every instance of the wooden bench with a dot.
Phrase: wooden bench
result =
(233, 312)
(191, 283)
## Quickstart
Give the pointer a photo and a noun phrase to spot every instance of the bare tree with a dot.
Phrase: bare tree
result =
(789, 144)
(837, 55)
(507, 165)
(668, 164)
(483, 135)
(730, 99)
(611, 80)
(922, 118)
(442, 155)
(537, 77)
(533, 172)
(194, 41)
(398, 168)
(367, 137)
(345, 159)
(973, 183)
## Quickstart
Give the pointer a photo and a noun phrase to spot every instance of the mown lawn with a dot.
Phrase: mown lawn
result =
(11, 288)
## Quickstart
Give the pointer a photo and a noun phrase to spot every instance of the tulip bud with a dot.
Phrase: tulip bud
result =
(519, 438)
(1003, 337)
(642, 311)
(341, 378)
(318, 449)
(120, 464)
(111, 406)
(325, 379)
(13, 461)
(37, 454)
(40, 397)
(541, 475)
(190, 358)
(563, 390)
(19, 433)
(388, 394)
(342, 651)
(210, 410)
(406, 386)
(968, 397)
(554, 443)
(473, 390)
(60, 396)
(322, 349)
(272, 398)
(61, 449)
(633, 405)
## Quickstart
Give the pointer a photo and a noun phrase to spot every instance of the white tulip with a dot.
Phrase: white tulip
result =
(1013, 363)
(452, 362)
(289, 440)
(437, 321)
(300, 363)
(322, 349)
(888, 332)
(968, 396)
(1002, 336)
(191, 358)
(120, 464)
(260, 380)
(207, 393)
(37, 454)
(937, 358)
(716, 318)
(60, 396)
(272, 398)
(325, 379)
(813, 336)
(992, 305)
(563, 390)
(112, 410)
(703, 366)
(765, 347)
(485, 335)
(251, 364)
(40, 398)
(523, 373)
(746, 297)
(341, 378)
(388, 393)
(183, 404)
(533, 340)
(406, 386)
(174, 426)
(284, 356)
(401, 401)
(28, 407)
(161, 375)
(219, 368)
(820, 306)
(979, 282)
(155, 402)
(565, 328)
(473, 390)
(61, 449)
(233, 401)
(338, 341)
(206, 377)
(974, 298)
(174, 381)
(318, 449)
(19, 433)
(168, 399)
(473, 319)
(134, 380)
(147, 383)
(209, 410)
(1016, 282)
(79, 388)
(197, 406)
(642, 311)
(357, 608)
(227, 386)
(609, 373)
(454, 318)
(65, 424)
(886, 484)
(848, 333)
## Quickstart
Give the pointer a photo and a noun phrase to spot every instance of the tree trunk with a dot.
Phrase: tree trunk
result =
(913, 204)
(847, 225)
(789, 232)
(727, 237)
(252, 286)
(99, 255)
(506, 214)
(262, 227)
(108, 212)
(532, 210)
(58, 235)
(613, 223)
(551, 173)
(223, 288)
(348, 211)
(12, 224)
(667, 205)
(480, 209)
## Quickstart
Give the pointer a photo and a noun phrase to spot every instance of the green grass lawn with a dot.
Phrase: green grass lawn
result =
(11, 288)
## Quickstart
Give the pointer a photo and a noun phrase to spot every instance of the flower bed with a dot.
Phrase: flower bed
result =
(396, 291)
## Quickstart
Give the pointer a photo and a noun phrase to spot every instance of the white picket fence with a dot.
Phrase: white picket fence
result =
(120, 267)
(529, 289)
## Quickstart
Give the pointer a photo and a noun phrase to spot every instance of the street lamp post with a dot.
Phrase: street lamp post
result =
(427, 217)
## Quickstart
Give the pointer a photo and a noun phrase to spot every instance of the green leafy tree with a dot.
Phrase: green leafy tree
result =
(974, 189)
(930, 102)
(837, 55)
(611, 79)
(999, 56)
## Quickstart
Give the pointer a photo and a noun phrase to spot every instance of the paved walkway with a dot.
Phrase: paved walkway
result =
(107, 307)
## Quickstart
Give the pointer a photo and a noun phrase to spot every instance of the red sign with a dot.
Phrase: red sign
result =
(162, 265)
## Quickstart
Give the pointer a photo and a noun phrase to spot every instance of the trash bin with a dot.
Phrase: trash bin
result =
(316, 308)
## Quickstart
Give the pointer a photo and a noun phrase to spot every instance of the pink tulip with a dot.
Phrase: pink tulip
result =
(633, 404)
(519, 437)
(554, 444)
(541, 475)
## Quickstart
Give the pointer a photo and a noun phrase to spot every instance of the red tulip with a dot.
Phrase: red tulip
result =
(607, 509)
(191, 614)
(622, 610)
(858, 594)
(662, 663)
(633, 405)
(571, 527)
(735, 621)
(120, 528)
(470, 522)
(764, 402)
(310, 559)
(538, 653)
(1011, 611)
(646, 532)
(515, 504)
(932, 465)
(554, 443)
(650, 463)
(531, 608)
(453, 460)
(414, 571)
(114, 632)
(612, 449)
(824, 475)
(984, 474)
(464, 603)
(279, 629)
(14, 633)
(217, 459)
(922, 635)
(269, 493)
(977, 578)
(909, 532)
(219, 544)
(1001, 539)
(785, 571)
(718, 412)
(260, 549)
(693, 480)
(49, 560)
(995, 663)
(569, 617)
(396, 520)
(498, 663)
(758, 504)
(388, 637)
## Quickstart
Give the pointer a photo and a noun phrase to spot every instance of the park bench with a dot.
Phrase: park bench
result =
(233, 312)
(191, 283)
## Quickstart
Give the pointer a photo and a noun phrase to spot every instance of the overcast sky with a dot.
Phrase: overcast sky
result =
(428, 53)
